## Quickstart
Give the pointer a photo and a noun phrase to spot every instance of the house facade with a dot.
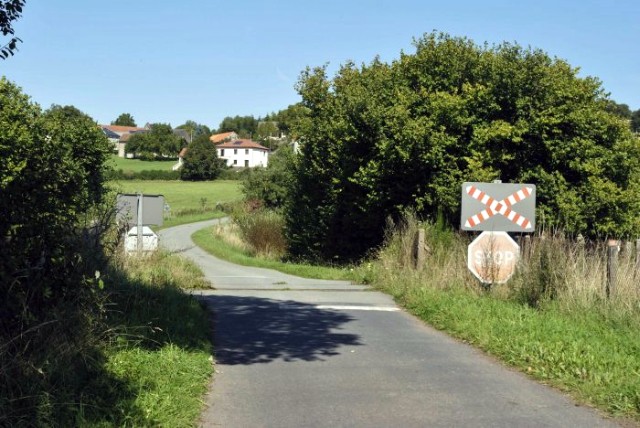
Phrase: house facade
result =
(243, 154)
(119, 135)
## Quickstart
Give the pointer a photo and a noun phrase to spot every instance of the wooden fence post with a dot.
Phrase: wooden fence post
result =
(419, 249)
(613, 248)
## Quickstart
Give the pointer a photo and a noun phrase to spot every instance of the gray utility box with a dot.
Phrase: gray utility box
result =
(149, 240)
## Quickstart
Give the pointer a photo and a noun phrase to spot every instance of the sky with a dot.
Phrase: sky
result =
(171, 61)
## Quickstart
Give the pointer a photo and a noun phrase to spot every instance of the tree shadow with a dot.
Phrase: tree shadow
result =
(250, 330)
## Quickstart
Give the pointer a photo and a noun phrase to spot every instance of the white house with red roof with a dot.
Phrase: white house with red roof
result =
(236, 153)
(243, 153)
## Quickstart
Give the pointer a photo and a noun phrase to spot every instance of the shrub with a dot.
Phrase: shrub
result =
(262, 229)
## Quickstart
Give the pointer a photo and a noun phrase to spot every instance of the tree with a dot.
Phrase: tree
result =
(52, 176)
(201, 161)
(10, 10)
(271, 185)
(381, 138)
(125, 119)
(158, 142)
(635, 121)
(195, 129)
(245, 126)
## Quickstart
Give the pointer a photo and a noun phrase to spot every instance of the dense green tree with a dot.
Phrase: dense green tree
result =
(380, 138)
(271, 185)
(289, 118)
(245, 126)
(635, 121)
(195, 129)
(52, 173)
(620, 110)
(201, 161)
(10, 10)
(158, 142)
(125, 119)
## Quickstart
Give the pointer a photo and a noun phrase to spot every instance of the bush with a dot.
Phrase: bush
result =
(384, 137)
(271, 185)
(52, 173)
(262, 229)
(152, 174)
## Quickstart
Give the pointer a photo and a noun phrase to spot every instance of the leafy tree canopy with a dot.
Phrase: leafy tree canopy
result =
(383, 137)
(245, 126)
(201, 161)
(10, 10)
(195, 129)
(158, 142)
(635, 121)
(271, 184)
(125, 119)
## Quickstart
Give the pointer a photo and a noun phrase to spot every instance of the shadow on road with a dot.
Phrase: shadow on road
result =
(250, 330)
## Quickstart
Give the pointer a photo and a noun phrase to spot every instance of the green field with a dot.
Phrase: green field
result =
(188, 201)
(137, 165)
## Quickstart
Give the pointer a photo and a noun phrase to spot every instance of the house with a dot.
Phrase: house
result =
(223, 137)
(119, 135)
(243, 153)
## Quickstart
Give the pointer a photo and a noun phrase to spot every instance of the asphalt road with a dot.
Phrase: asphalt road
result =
(294, 352)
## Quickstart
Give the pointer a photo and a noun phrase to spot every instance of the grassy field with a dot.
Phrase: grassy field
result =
(136, 165)
(188, 201)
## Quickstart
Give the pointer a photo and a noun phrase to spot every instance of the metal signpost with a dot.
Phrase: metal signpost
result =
(148, 210)
(495, 209)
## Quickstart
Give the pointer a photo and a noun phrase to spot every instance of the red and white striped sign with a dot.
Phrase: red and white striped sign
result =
(502, 207)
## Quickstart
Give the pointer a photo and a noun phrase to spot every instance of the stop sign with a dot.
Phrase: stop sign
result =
(492, 257)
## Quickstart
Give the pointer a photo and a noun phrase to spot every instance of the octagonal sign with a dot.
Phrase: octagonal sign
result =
(492, 257)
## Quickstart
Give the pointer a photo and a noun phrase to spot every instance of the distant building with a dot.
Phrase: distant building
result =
(243, 153)
(223, 137)
(119, 135)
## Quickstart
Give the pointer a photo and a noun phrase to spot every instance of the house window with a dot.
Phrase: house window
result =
(235, 161)
(246, 163)
(235, 151)
(246, 151)
(221, 152)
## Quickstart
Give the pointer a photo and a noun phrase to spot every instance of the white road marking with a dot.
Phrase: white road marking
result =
(359, 308)
(348, 308)
(239, 276)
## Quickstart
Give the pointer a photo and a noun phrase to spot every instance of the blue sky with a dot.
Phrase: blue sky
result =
(171, 61)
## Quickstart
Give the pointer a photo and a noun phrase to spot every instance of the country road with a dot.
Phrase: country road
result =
(295, 352)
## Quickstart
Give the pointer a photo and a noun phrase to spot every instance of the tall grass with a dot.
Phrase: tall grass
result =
(261, 229)
(141, 357)
(552, 319)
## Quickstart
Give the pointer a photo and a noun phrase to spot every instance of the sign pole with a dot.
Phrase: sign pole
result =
(139, 228)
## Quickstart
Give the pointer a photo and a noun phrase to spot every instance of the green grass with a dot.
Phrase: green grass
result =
(585, 353)
(206, 240)
(136, 165)
(189, 201)
(158, 359)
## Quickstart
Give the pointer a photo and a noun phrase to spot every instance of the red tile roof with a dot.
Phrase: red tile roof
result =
(241, 144)
(123, 129)
(217, 138)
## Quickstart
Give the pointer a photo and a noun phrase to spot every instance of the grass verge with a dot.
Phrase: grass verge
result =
(209, 239)
(569, 336)
(158, 354)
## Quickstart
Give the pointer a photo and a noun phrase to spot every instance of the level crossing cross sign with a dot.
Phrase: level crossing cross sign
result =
(505, 207)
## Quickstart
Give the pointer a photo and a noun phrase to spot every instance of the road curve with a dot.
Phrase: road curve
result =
(294, 352)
